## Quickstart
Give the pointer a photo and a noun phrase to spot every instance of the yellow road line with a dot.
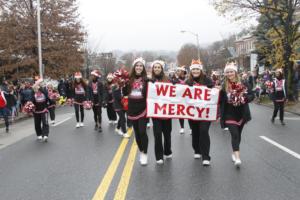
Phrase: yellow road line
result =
(106, 181)
(125, 178)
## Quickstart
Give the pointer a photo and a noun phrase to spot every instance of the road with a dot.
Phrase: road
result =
(84, 164)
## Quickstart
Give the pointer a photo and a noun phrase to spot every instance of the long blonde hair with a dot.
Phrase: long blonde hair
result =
(227, 81)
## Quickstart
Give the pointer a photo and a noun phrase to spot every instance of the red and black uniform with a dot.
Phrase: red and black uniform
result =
(137, 112)
(279, 96)
(162, 127)
(200, 129)
(235, 117)
(96, 95)
(41, 102)
(117, 96)
(79, 93)
(108, 101)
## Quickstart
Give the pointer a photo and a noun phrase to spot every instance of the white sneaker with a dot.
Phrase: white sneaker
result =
(181, 131)
(126, 135)
(115, 122)
(237, 163)
(169, 156)
(191, 132)
(148, 125)
(160, 162)
(110, 122)
(226, 129)
(81, 124)
(77, 125)
(45, 138)
(144, 159)
(39, 138)
(197, 156)
(119, 132)
(205, 162)
(233, 157)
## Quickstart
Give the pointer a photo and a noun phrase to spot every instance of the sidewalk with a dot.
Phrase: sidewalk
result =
(20, 117)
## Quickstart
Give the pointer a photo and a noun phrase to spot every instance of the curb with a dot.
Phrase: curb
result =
(270, 106)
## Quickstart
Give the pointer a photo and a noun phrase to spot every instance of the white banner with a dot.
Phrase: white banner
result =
(165, 100)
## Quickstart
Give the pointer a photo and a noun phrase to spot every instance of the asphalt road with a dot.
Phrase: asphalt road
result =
(84, 164)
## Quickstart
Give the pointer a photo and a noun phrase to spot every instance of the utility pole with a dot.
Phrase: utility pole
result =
(39, 38)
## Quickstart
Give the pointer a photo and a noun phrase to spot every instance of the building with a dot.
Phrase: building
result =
(245, 56)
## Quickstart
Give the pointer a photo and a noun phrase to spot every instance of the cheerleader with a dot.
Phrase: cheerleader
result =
(235, 112)
(137, 106)
(179, 78)
(118, 107)
(96, 92)
(200, 129)
(278, 95)
(108, 102)
(52, 103)
(161, 126)
(79, 92)
(40, 113)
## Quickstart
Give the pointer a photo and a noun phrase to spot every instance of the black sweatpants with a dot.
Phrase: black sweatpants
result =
(111, 113)
(77, 108)
(181, 122)
(41, 124)
(97, 110)
(236, 133)
(52, 113)
(141, 136)
(200, 138)
(278, 106)
(121, 121)
(162, 127)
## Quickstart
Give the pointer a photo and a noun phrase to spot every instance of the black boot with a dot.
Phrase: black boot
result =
(100, 129)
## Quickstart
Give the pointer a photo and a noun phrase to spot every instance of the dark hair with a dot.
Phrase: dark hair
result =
(201, 77)
(133, 76)
(162, 74)
(82, 82)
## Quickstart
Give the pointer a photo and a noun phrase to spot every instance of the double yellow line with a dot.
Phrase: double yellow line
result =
(109, 175)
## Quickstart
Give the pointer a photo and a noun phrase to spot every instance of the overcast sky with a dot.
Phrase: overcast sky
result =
(151, 24)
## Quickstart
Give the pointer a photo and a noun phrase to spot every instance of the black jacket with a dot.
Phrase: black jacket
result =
(245, 110)
(97, 96)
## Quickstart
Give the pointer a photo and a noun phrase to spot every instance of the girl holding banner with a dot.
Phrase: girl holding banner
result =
(200, 129)
(235, 112)
(180, 77)
(137, 106)
(161, 126)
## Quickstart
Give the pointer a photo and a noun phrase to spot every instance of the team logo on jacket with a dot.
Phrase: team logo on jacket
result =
(39, 97)
(79, 90)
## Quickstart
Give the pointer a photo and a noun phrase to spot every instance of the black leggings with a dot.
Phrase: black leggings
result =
(52, 113)
(97, 114)
(141, 136)
(181, 121)
(77, 107)
(236, 133)
(162, 127)
(41, 124)
(200, 138)
(121, 121)
(278, 106)
(111, 113)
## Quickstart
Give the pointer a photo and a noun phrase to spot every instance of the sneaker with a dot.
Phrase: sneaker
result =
(169, 156)
(237, 163)
(100, 129)
(45, 138)
(110, 122)
(197, 156)
(160, 162)
(282, 123)
(226, 129)
(119, 132)
(81, 124)
(233, 157)
(52, 122)
(191, 132)
(144, 159)
(77, 125)
(205, 162)
(96, 127)
(126, 135)
(115, 122)
(148, 125)
(39, 138)
(181, 131)
(272, 120)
